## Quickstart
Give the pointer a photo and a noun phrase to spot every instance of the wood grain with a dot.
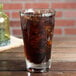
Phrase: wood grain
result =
(51, 73)
(63, 49)
(63, 60)
(19, 65)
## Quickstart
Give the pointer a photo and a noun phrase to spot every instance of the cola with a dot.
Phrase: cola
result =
(37, 29)
(37, 35)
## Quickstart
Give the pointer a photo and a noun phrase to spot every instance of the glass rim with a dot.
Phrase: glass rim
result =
(48, 10)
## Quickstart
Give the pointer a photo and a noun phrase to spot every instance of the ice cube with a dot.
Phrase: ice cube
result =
(29, 11)
(46, 14)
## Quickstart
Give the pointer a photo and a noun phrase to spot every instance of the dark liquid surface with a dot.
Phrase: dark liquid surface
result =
(37, 35)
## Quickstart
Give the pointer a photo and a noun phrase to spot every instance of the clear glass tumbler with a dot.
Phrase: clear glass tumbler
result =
(37, 28)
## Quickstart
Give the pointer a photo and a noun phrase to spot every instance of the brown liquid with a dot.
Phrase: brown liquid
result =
(37, 35)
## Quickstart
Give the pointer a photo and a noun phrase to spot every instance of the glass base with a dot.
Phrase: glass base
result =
(43, 67)
(5, 43)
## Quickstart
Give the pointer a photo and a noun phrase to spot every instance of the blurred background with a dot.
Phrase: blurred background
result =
(65, 21)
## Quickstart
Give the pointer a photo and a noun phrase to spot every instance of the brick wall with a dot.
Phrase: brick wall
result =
(65, 24)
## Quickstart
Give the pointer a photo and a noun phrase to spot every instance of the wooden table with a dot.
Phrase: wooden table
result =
(63, 60)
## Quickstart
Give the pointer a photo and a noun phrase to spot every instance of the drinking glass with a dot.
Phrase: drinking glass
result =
(37, 29)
